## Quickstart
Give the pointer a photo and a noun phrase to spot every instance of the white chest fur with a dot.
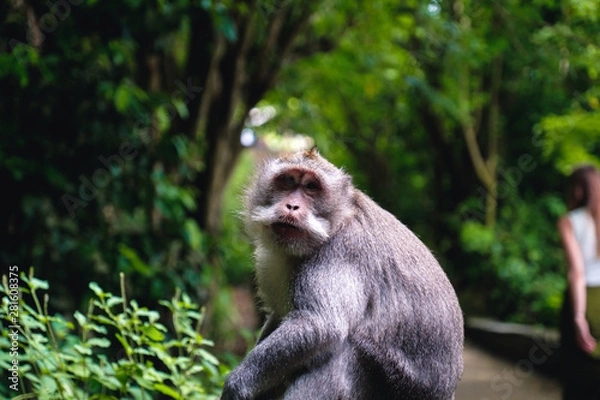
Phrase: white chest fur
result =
(274, 277)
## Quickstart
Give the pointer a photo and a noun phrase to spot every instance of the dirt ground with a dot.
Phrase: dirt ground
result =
(489, 378)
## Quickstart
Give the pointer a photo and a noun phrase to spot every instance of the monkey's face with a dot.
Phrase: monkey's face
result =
(297, 190)
(296, 203)
(290, 217)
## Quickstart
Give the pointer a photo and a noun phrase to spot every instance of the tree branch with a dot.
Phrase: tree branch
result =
(212, 85)
(35, 33)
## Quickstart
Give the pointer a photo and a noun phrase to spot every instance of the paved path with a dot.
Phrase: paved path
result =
(490, 378)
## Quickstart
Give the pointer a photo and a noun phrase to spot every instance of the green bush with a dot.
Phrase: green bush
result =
(519, 269)
(119, 351)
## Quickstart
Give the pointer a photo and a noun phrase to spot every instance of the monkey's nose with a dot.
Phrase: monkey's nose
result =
(292, 207)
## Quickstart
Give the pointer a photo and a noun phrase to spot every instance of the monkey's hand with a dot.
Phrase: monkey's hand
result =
(257, 374)
(235, 388)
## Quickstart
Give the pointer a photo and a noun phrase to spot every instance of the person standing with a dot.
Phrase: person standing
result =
(580, 320)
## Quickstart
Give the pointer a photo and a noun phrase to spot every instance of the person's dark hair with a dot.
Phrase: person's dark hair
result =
(584, 191)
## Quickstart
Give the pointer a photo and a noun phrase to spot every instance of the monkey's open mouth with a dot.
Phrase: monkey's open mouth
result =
(287, 230)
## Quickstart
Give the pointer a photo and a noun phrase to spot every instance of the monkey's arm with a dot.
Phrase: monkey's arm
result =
(327, 305)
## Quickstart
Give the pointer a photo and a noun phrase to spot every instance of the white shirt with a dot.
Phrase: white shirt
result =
(585, 233)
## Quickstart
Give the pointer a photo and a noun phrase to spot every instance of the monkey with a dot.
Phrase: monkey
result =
(358, 307)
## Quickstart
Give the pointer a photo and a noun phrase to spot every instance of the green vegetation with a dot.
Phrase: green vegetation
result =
(117, 350)
(462, 118)
(120, 150)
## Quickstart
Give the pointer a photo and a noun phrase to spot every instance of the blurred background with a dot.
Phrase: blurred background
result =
(128, 130)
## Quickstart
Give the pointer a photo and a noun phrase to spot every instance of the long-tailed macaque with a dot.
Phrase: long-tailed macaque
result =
(358, 307)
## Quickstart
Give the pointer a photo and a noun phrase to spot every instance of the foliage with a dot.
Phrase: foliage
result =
(519, 264)
(572, 136)
(121, 350)
(99, 169)
(236, 246)
(405, 90)
(354, 102)
(118, 136)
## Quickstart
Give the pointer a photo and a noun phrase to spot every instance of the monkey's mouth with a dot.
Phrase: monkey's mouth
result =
(287, 230)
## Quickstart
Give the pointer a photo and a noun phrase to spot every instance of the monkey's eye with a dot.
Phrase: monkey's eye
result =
(286, 181)
(312, 186)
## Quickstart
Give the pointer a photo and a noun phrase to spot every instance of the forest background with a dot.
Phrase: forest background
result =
(128, 130)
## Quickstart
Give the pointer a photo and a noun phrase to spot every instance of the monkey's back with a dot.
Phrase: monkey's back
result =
(412, 310)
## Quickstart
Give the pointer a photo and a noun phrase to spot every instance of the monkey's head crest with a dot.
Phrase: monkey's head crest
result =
(312, 153)
(309, 159)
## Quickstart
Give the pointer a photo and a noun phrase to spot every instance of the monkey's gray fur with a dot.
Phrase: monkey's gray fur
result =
(358, 306)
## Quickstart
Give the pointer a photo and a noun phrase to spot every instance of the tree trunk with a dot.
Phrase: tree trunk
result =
(485, 167)
(219, 167)
(237, 77)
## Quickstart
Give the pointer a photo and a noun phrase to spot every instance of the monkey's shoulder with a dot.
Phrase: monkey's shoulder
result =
(378, 229)
(370, 214)
(375, 242)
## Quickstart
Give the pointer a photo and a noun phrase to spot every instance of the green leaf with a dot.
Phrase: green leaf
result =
(187, 198)
(164, 389)
(103, 320)
(83, 350)
(153, 333)
(123, 342)
(96, 289)
(98, 342)
(114, 301)
(81, 319)
(102, 396)
(164, 118)
(122, 98)
(36, 283)
(226, 26)
(207, 356)
(477, 237)
(135, 261)
(181, 108)
(144, 352)
(79, 371)
(196, 369)
(152, 315)
(193, 234)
